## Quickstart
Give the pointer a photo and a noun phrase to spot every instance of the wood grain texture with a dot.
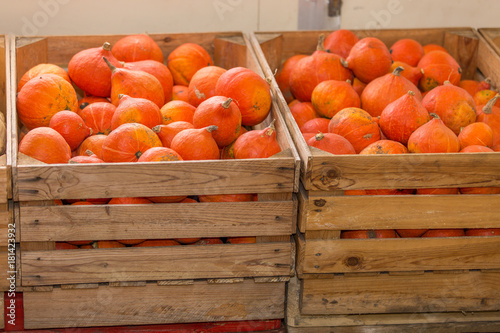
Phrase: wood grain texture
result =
(488, 61)
(358, 323)
(402, 212)
(4, 269)
(384, 293)
(155, 263)
(401, 254)
(353, 172)
(159, 221)
(153, 304)
(463, 47)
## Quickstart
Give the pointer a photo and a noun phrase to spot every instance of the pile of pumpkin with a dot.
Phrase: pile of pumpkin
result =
(128, 112)
(357, 96)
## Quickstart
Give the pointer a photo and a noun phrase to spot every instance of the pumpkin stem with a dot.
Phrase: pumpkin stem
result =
(270, 129)
(89, 152)
(488, 80)
(321, 43)
(84, 105)
(156, 129)
(411, 93)
(344, 63)
(397, 71)
(459, 70)
(488, 108)
(226, 103)
(433, 115)
(106, 46)
(110, 65)
(348, 81)
(120, 96)
(211, 128)
(199, 94)
(138, 154)
(446, 82)
(268, 80)
(319, 136)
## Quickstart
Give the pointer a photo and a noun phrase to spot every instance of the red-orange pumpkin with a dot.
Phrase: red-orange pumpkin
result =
(315, 126)
(136, 48)
(438, 67)
(94, 144)
(158, 70)
(42, 69)
(128, 142)
(71, 126)
(87, 100)
(98, 117)
(135, 84)
(384, 147)
(167, 132)
(180, 93)
(476, 149)
(177, 111)
(452, 104)
(46, 145)
(413, 74)
(329, 97)
(340, 42)
(136, 110)
(42, 97)
(433, 47)
(369, 58)
(473, 86)
(185, 60)
(484, 96)
(302, 112)
(202, 84)
(490, 115)
(257, 143)
(250, 92)
(223, 113)
(90, 73)
(384, 90)
(357, 126)
(196, 144)
(434, 191)
(444, 233)
(407, 50)
(433, 137)
(476, 134)
(283, 76)
(160, 154)
(89, 158)
(368, 234)
(228, 197)
(332, 143)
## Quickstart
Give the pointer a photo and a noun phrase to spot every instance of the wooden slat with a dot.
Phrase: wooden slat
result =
(472, 291)
(4, 269)
(161, 221)
(155, 263)
(358, 323)
(408, 254)
(155, 179)
(488, 61)
(403, 212)
(353, 172)
(6, 218)
(152, 304)
(463, 48)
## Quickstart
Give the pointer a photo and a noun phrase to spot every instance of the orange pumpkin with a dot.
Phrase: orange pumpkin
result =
(405, 233)
(42, 69)
(407, 50)
(444, 233)
(202, 84)
(250, 92)
(89, 158)
(128, 142)
(185, 60)
(358, 86)
(473, 86)
(109, 244)
(94, 144)
(369, 59)
(223, 113)
(484, 96)
(90, 73)
(340, 42)
(196, 144)
(402, 117)
(177, 111)
(302, 112)
(137, 47)
(167, 132)
(433, 137)
(283, 76)
(332, 143)
(476, 134)
(158, 242)
(483, 232)
(135, 84)
(413, 74)
(242, 240)
(257, 143)
(491, 116)
(357, 126)
(158, 70)
(42, 97)
(71, 126)
(160, 154)
(46, 145)
(315, 126)
(476, 149)
(136, 110)
(384, 147)
(434, 191)
(97, 116)
(180, 93)
(452, 104)
(349, 234)
(384, 90)
(438, 67)
(329, 97)
(87, 100)
(433, 47)
(228, 197)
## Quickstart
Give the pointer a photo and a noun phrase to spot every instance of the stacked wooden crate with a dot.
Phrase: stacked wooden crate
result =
(376, 283)
(154, 285)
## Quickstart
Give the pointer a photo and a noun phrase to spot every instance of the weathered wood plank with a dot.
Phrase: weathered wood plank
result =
(152, 304)
(354, 172)
(402, 212)
(488, 61)
(401, 254)
(155, 263)
(159, 221)
(384, 293)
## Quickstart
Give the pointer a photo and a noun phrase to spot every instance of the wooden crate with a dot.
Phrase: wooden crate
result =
(492, 36)
(272, 219)
(153, 303)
